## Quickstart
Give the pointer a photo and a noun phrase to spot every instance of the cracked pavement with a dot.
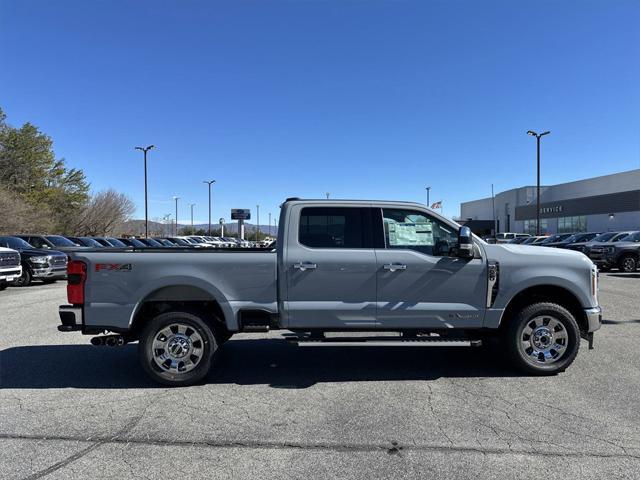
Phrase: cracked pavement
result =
(70, 410)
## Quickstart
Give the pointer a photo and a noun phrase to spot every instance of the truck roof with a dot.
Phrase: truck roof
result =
(352, 201)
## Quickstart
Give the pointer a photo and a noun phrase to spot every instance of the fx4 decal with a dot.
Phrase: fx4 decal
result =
(113, 267)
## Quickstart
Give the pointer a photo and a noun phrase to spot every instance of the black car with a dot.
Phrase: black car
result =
(109, 242)
(623, 254)
(132, 242)
(553, 239)
(86, 242)
(46, 265)
(602, 238)
(150, 242)
(575, 238)
(51, 242)
(174, 242)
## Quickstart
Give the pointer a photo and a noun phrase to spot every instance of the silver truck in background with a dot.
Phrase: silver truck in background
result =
(339, 266)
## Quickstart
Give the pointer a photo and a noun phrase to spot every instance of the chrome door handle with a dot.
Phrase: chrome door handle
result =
(392, 267)
(302, 266)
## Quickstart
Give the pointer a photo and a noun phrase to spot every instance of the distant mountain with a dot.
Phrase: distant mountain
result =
(136, 227)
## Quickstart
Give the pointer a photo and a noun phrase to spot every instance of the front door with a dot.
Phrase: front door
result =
(330, 268)
(419, 284)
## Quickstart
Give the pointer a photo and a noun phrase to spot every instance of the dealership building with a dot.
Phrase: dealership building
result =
(599, 204)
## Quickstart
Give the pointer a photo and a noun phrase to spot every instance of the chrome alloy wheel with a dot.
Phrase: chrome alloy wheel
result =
(177, 348)
(544, 340)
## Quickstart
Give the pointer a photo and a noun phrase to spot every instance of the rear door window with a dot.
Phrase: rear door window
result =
(334, 227)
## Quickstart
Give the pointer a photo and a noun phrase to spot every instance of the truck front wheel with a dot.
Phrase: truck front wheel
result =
(543, 339)
(628, 264)
(177, 348)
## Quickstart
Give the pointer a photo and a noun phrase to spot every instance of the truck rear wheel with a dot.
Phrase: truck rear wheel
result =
(543, 339)
(176, 348)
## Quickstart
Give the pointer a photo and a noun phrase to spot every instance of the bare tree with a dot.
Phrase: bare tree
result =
(19, 216)
(104, 214)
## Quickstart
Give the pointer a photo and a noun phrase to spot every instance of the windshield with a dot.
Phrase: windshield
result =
(115, 242)
(153, 243)
(603, 237)
(135, 242)
(196, 240)
(15, 243)
(620, 236)
(59, 241)
(89, 242)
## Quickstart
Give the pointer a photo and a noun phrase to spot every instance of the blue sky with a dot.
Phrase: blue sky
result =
(362, 99)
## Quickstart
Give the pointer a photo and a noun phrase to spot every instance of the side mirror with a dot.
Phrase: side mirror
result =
(465, 243)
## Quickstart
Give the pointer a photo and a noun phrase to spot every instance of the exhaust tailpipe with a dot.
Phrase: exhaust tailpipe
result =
(108, 340)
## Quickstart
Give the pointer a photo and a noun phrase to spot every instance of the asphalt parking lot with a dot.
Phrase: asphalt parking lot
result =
(70, 410)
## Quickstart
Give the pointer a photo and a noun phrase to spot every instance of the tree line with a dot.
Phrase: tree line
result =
(39, 193)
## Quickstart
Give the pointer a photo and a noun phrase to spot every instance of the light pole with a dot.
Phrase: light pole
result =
(146, 209)
(269, 223)
(192, 205)
(258, 222)
(428, 189)
(538, 137)
(167, 219)
(176, 199)
(493, 207)
(209, 182)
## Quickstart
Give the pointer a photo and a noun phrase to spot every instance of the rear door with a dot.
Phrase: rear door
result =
(419, 284)
(329, 267)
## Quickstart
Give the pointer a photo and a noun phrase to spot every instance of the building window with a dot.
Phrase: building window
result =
(572, 224)
(530, 226)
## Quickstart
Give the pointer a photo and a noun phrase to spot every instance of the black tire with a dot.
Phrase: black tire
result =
(561, 351)
(203, 340)
(628, 264)
(23, 280)
(3, 285)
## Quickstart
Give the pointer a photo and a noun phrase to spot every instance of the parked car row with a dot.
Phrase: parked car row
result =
(607, 250)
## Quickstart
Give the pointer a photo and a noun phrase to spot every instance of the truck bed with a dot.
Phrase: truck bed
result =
(120, 280)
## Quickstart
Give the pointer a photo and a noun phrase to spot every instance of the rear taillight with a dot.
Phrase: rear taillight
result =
(76, 276)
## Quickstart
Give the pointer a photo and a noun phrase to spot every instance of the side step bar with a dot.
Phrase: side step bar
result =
(383, 342)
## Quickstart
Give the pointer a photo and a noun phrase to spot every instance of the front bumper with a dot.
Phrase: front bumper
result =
(594, 318)
(10, 275)
(70, 318)
(49, 272)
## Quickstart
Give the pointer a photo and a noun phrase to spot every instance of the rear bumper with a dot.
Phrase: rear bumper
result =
(594, 318)
(70, 318)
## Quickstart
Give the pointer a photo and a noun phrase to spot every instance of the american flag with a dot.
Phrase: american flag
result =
(437, 205)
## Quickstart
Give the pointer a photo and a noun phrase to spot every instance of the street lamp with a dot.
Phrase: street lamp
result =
(209, 182)
(176, 199)
(428, 189)
(192, 205)
(269, 223)
(146, 210)
(258, 222)
(538, 137)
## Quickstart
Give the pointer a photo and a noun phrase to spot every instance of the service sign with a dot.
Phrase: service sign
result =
(240, 214)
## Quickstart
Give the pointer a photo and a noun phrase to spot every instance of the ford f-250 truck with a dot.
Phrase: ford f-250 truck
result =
(339, 266)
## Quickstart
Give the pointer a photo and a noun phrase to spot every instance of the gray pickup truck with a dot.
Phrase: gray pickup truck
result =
(394, 272)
